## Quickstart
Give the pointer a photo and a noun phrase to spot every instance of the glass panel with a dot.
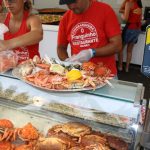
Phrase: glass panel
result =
(121, 90)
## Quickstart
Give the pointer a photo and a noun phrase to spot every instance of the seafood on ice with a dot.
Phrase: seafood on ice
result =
(54, 75)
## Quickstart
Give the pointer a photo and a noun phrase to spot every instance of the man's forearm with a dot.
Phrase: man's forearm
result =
(62, 53)
(110, 49)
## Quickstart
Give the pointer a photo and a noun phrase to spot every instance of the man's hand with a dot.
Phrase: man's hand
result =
(82, 56)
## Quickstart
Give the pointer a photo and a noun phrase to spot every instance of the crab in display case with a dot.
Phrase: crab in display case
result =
(85, 138)
(73, 129)
(66, 136)
(6, 145)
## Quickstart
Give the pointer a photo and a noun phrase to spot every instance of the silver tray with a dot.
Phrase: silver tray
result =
(16, 73)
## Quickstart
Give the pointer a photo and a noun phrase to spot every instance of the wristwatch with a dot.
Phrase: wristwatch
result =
(93, 52)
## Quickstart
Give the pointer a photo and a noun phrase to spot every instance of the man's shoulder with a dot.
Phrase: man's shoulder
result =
(68, 13)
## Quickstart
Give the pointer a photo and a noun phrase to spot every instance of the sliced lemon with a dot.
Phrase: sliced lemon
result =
(73, 75)
(56, 68)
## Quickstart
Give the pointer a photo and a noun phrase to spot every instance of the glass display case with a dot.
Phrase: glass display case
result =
(112, 110)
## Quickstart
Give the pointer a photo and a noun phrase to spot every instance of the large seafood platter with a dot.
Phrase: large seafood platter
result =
(54, 75)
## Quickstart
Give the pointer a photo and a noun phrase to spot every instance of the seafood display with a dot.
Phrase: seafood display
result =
(74, 129)
(92, 127)
(53, 75)
(66, 136)
(9, 134)
(14, 93)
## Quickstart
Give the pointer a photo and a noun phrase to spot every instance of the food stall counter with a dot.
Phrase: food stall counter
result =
(114, 110)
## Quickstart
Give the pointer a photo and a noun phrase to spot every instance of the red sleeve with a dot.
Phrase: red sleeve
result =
(62, 36)
(1, 2)
(112, 25)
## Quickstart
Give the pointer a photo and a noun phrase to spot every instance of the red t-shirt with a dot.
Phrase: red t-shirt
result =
(134, 19)
(1, 2)
(24, 52)
(91, 29)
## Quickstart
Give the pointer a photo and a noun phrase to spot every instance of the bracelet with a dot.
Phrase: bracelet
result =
(93, 52)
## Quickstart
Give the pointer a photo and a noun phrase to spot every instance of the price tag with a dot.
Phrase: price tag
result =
(145, 68)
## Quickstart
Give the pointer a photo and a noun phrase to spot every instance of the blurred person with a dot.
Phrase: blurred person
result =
(1, 6)
(132, 14)
(93, 31)
(25, 29)
(122, 7)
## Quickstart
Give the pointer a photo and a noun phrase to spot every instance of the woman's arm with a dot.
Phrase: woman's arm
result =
(122, 7)
(34, 36)
(125, 15)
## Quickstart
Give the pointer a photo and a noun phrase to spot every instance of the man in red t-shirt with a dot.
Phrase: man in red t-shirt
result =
(92, 30)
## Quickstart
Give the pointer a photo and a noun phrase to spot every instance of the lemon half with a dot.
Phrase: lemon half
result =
(73, 75)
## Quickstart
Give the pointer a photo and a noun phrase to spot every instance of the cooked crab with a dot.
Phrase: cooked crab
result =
(77, 148)
(28, 132)
(97, 147)
(55, 142)
(94, 138)
(8, 134)
(43, 79)
(102, 71)
(6, 146)
(36, 59)
(5, 123)
(117, 143)
(6, 130)
(23, 147)
(88, 66)
(95, 141)
(73, 129)
(26, 69)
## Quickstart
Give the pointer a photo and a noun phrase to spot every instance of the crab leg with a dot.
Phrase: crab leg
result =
(109, 84)
(5, 135)
(9, 135)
